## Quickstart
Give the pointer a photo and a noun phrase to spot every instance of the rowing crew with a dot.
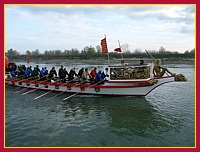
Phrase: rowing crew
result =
(83, 74)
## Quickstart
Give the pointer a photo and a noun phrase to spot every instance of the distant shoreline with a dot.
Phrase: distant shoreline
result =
(189, 61)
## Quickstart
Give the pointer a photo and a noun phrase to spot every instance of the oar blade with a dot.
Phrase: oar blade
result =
(82, 90)
(43, 94)
(71, 96)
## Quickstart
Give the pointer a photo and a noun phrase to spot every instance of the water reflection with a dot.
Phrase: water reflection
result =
(124, 116)
(132, 113)
(93, 120)
(164, 118)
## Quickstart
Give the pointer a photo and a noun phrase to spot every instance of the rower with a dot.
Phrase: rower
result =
(27, 72)
(80, 73)
(21, 71)
(13, 73)
(105, 73)
(52, 73)
(86, 76)
(99, 77)
(93, 73)
(62, 73)
(35, 73)
(72, 75)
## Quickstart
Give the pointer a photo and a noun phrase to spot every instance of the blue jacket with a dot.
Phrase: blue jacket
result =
(99, 77)
(13, 73)
(27, 72)
(42, 72)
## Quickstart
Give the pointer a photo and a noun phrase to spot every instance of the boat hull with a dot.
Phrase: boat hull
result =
(122, 88)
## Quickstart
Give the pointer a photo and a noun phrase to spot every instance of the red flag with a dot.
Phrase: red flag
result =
(104, 46)
(118, 50)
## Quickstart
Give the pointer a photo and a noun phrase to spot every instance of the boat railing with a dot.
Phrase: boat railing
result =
(128, 62)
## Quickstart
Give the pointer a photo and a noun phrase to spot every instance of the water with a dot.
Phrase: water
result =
(163, 118)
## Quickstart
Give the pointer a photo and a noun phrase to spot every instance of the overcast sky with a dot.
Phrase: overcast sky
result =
(50, 27)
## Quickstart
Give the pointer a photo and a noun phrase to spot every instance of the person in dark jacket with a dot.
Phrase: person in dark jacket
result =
(72, 74)
(62, 73)
(21, 72)
(52, 73)
(80, 72)
(35, 73)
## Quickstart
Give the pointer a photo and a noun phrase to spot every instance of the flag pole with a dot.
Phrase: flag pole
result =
(28, 59)
(108, 52)
(121, 50)
(108, 59)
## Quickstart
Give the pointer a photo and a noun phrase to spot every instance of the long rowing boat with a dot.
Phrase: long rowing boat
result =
(124, 80)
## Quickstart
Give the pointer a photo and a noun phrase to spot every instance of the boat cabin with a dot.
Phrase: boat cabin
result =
(129, 72)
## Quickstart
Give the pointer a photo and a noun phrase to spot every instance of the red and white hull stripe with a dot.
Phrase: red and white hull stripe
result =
(140, 87)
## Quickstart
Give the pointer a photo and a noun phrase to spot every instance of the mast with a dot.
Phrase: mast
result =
(108, 54)
(121, 50)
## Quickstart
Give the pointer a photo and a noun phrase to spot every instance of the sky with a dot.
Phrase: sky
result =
(53, 27)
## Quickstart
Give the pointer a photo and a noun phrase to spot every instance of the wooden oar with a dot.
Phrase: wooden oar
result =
(9, 84)
(65, 90)
(82, 90)
(150, 55)
(44, 94)
(23, 84)
(16, 81)
(48, 92)
(36, 88)
(11, 79)
(29, 86)
(17, 77)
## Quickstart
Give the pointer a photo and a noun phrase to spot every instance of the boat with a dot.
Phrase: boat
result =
(122, 80)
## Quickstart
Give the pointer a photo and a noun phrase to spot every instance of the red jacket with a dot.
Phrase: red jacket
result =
(93, 74)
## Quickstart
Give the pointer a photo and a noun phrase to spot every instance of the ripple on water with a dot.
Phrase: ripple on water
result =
(164, 118)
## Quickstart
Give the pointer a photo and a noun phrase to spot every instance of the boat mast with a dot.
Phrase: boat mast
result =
(108, 54)
(121, 50)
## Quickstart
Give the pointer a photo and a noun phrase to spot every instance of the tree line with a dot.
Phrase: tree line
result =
(90, 51)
